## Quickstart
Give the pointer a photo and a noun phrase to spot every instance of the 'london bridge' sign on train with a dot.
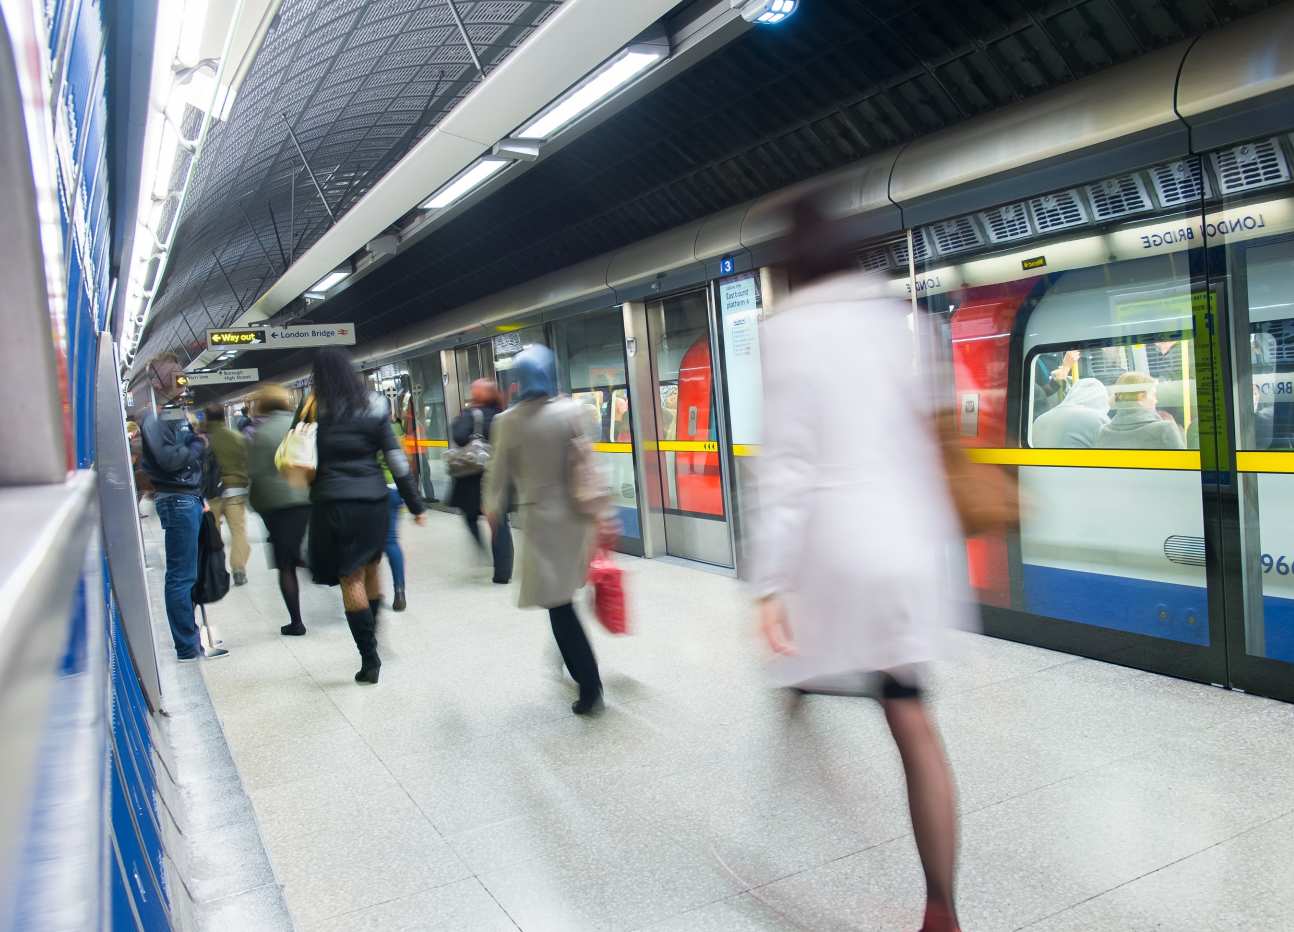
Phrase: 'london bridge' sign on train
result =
(269, 338)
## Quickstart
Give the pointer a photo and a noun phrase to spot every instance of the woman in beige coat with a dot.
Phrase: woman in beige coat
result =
(531, 445)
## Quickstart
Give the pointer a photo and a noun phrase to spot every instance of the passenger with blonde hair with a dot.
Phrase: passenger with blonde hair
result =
(1137, 424)
(282, 505)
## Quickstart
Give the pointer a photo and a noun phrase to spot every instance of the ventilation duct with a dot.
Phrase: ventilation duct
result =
(1060, 211)
(1251, 165)
(875, 260)
(1179, 183)
(919, 243)
(956, 235)
(1118, 197)
(1007, 223)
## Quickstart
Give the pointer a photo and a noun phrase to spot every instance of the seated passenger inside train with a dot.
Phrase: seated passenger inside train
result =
(1137, 424)
(1051, 373)
(1077, 420)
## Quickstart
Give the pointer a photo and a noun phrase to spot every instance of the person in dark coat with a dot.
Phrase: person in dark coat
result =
(486, 402)
(349, 510)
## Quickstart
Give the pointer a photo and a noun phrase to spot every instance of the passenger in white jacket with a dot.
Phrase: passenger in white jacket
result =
(856, 523)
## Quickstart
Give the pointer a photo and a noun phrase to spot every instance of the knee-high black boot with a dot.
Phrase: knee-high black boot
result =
(363, 630)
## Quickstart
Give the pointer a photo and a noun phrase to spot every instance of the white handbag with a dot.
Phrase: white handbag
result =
(298, 455)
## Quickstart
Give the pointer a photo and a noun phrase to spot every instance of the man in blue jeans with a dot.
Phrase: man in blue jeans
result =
(171, 456)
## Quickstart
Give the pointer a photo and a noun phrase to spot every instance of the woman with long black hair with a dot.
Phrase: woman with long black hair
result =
(349, 497)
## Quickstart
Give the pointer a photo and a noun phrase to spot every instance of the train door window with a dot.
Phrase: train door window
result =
(430, 436)
(473, 362)
(1249, 228)
(1136, 393)
(591, 369)
(505, 347)
(693, 497)
(1074, 329)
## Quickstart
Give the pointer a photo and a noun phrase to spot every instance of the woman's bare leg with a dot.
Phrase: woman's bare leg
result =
(932, 804)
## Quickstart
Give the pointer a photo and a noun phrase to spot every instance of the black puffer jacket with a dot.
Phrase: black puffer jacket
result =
(348, 467)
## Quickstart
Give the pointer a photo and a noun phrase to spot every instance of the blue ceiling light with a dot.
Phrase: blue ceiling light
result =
(765, 12)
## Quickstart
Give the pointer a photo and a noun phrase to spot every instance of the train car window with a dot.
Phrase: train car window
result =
(1136, 393)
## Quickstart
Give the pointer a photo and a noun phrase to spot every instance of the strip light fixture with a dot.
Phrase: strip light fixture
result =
(598, 86)
(475, 176)
(329, 281)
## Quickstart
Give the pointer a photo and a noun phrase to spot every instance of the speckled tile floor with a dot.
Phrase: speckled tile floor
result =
(461, 794)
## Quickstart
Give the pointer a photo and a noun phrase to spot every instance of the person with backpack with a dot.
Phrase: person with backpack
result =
(171, 455)
(466, 460)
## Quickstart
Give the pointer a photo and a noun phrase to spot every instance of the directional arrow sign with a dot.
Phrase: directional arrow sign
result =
(311, 335)
(224, 376)
(271, 338)
(248, 337)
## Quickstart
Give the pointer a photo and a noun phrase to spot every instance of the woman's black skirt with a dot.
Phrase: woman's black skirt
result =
(287, 528)
(345, 537)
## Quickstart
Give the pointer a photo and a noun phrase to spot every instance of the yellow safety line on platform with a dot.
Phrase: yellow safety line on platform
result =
(1092, 459)
(1264, 462)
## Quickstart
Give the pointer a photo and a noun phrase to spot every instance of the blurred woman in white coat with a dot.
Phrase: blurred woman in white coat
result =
(855, 519)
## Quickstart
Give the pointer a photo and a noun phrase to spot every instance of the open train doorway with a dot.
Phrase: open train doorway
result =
(694, 500)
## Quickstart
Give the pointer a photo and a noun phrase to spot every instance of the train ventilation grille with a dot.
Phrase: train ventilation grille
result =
(919, 243)
(874, 260)
(1252, 165)
(1118, 197)
(1188, 551)
(955, 235)
(1007, 223)
(1059, 211)
(1178, 183)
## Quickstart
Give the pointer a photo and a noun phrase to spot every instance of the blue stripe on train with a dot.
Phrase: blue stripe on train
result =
(1158, 609)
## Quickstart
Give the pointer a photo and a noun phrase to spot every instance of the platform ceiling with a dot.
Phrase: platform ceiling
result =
(839, 80)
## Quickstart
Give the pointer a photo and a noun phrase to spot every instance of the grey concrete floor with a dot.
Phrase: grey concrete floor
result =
(461, 794)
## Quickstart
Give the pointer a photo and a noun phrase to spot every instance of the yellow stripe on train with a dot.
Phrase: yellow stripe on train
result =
(1264, 462)
(1188, 460)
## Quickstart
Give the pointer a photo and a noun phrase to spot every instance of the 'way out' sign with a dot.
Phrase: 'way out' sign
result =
(270, 338)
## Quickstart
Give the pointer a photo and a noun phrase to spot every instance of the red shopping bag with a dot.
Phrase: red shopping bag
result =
(607, 581)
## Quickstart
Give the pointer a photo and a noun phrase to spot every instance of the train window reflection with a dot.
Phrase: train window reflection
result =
(1119, 395)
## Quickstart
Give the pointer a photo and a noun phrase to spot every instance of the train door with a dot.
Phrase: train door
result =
(593, 370)
(690, 432)
(1249, 230)
(429, 436)
(472, 363)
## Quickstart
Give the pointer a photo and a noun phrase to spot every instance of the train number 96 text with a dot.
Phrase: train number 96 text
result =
(1280, 564)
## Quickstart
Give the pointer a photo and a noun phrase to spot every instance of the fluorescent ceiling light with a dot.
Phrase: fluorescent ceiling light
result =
(767, 12)
(600, 85)
(329, 281)
(469, 180)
